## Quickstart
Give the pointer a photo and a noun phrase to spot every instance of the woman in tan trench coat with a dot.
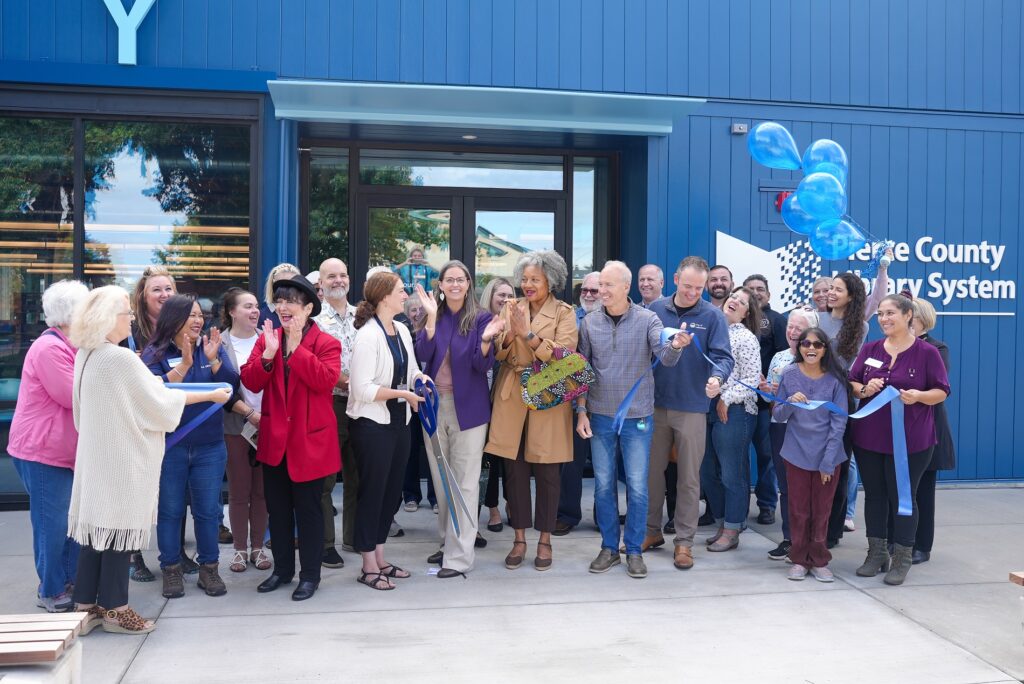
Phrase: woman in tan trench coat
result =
(532, 441)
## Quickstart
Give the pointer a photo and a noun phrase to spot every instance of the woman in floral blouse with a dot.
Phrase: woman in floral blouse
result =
(725, 475)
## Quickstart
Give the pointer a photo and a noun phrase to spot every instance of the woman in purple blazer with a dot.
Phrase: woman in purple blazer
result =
(453, 345)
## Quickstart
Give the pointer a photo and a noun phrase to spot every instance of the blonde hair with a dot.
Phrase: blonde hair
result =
(96, 315)
(138, 298)
(924, 316)
(275, 274)
(60, 299)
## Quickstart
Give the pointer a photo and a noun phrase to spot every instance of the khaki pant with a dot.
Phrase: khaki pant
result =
(464, 450)
(688, 431)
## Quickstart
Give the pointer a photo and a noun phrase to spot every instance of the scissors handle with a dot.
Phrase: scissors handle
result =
(428, 408)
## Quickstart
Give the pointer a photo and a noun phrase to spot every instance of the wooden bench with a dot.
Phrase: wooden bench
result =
(38, 640)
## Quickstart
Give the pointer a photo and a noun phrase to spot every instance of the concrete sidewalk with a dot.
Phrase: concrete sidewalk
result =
(733, 618)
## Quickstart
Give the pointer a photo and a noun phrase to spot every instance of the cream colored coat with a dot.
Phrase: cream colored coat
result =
(548, 433)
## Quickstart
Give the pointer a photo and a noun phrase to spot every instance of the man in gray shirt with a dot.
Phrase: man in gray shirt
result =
(619, 340)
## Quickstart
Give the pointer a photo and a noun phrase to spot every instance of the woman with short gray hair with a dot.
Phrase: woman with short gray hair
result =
(42, 445)
(549, 262)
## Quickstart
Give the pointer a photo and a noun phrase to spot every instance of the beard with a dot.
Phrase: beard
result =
(590, 306)
(340, 292)
(719, 291)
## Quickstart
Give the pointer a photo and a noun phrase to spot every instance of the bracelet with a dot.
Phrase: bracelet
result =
(249, 414)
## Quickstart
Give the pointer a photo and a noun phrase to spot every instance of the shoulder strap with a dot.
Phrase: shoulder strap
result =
(81, 378)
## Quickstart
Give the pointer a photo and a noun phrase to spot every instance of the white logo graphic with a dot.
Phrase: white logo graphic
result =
(790, 270)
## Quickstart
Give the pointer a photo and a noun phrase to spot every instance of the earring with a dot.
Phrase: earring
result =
(441, 296)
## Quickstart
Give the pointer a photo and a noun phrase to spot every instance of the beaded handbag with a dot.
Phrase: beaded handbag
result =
(565, 377)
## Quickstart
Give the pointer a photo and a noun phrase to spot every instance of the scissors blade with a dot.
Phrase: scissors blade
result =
(446, 482)
(456, 490)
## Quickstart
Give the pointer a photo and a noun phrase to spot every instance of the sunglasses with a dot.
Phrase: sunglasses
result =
(588, 290)
(808, 344)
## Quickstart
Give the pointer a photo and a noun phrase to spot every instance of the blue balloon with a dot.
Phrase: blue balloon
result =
(831, 169)
(772, 145)
(822, 196)
(836, 239)
(798, 220)
(827, 152)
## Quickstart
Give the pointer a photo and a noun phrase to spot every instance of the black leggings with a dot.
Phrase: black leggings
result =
(102, 577)
(381, 452)
(878, 475)
(924, 502)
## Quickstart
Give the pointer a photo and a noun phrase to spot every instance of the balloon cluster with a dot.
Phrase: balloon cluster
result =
(818, 207)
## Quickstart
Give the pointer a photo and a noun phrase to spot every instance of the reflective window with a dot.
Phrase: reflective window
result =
(174, 194)
(590, 217)
(504, 236)
(414, 243)
(460, 169)
(328, 205)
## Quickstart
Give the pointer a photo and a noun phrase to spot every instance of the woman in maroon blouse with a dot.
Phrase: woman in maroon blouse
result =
(915, 368)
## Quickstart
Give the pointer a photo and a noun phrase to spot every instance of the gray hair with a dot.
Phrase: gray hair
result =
(592, 274)
(60, 299)
(656, 267)
(809, 314)
(627, 275)
(547, 260)
(96, 315)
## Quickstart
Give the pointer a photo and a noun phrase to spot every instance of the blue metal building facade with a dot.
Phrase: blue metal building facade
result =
(925, 95)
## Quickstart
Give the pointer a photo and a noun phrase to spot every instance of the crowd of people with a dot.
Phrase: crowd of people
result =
(133, 407)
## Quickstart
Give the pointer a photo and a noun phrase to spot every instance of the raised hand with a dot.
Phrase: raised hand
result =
(187, 346)
(294, 332)
(429, 302)
(518, 318)
(494, 327)
(270, 342)
(211, 344)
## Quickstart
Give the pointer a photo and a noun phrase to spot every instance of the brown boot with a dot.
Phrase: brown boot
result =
(174, 582)
(651, 541)
(683, 559)
(210, 581)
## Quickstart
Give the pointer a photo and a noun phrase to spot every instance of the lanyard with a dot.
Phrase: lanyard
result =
(391, 346)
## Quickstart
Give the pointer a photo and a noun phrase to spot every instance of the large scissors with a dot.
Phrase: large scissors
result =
(428, 417)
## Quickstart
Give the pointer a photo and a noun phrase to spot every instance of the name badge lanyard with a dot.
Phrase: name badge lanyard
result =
(392, 346)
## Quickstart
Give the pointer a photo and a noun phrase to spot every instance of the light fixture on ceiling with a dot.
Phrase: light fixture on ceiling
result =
(469, 136)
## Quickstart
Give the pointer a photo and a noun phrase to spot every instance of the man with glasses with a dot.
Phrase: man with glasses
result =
(681, 404)
(650, 281)
(570, 511)
(336, 319)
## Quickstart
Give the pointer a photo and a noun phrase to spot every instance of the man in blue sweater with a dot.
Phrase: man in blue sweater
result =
(681, 402)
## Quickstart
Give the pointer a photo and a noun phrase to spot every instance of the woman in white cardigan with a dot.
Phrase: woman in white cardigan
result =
(381, 402)
(122, 412)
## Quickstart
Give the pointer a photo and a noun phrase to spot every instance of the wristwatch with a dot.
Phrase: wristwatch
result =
(530, 335)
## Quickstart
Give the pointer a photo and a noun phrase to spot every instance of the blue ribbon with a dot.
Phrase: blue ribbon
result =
(198, 420)
(620, 414)
(889, 395)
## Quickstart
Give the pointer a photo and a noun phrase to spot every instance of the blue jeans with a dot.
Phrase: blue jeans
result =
(49, 494)
(200, 469)
(725, 472)
(635, 444)
(851, 489)
(765, 485)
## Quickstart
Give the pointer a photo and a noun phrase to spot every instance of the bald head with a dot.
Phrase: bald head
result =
(334, 281)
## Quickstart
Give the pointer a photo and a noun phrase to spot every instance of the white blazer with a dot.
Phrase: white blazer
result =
(372, 367)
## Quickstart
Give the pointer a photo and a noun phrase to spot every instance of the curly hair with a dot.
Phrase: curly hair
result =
(849, 337)
(752, 320)
(547, 260)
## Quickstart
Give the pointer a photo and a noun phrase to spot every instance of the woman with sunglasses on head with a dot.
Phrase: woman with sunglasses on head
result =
(180, 353)
(812, 449)
(725, 472)
(915, 368)
(455, 344)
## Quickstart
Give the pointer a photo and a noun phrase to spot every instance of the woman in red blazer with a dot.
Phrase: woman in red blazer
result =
(296, 367)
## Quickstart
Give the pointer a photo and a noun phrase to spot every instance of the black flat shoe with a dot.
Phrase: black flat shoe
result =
(919, 557)
(495, 527)
(305, 590)
(436, 557)
(447, 573)
(272, 583)
(480, 541)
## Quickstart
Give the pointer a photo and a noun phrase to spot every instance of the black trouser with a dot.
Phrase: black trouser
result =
(495, 472)
(102, 577)
(924, 503)
(294, 505)
(878, 475)
(671, 481)
(381, 455)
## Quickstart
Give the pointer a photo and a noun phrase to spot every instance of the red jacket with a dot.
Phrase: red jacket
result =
(304, 426)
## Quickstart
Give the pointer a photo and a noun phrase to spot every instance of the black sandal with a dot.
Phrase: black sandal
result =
(375, 583)
(393, 570)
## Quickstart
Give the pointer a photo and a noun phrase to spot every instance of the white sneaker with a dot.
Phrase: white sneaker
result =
(797, 572)
(849, 526)
(411, 506)
(822, 574)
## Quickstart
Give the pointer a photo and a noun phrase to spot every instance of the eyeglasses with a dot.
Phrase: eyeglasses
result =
(808, 344)
(589, 290)
(455, 281)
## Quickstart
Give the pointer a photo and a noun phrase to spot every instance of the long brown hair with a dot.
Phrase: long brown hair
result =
(470, 309)
(753, 318)
(139, 297)
(850, 333)
(379, 286)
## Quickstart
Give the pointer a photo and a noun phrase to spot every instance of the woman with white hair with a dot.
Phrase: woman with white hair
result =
(42, 445)
(122, 412)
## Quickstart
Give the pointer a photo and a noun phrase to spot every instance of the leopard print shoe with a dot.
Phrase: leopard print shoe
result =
(127, 621)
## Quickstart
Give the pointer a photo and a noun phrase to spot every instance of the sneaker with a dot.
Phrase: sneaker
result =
(348, 548)
(797, 573)
(849, 525)
(635, 566)
(332, 559)
(396, 530)
(188, 566)
(210, 581)
(174, 582)
(224, 536)
(781, 551)
(435, 509)
(822, 574)
(766, 517)
(61, 603)
(605, 560)
(411, 506)
(137, 570)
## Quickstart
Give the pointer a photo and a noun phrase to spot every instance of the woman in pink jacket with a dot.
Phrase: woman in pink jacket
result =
(42, 443)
